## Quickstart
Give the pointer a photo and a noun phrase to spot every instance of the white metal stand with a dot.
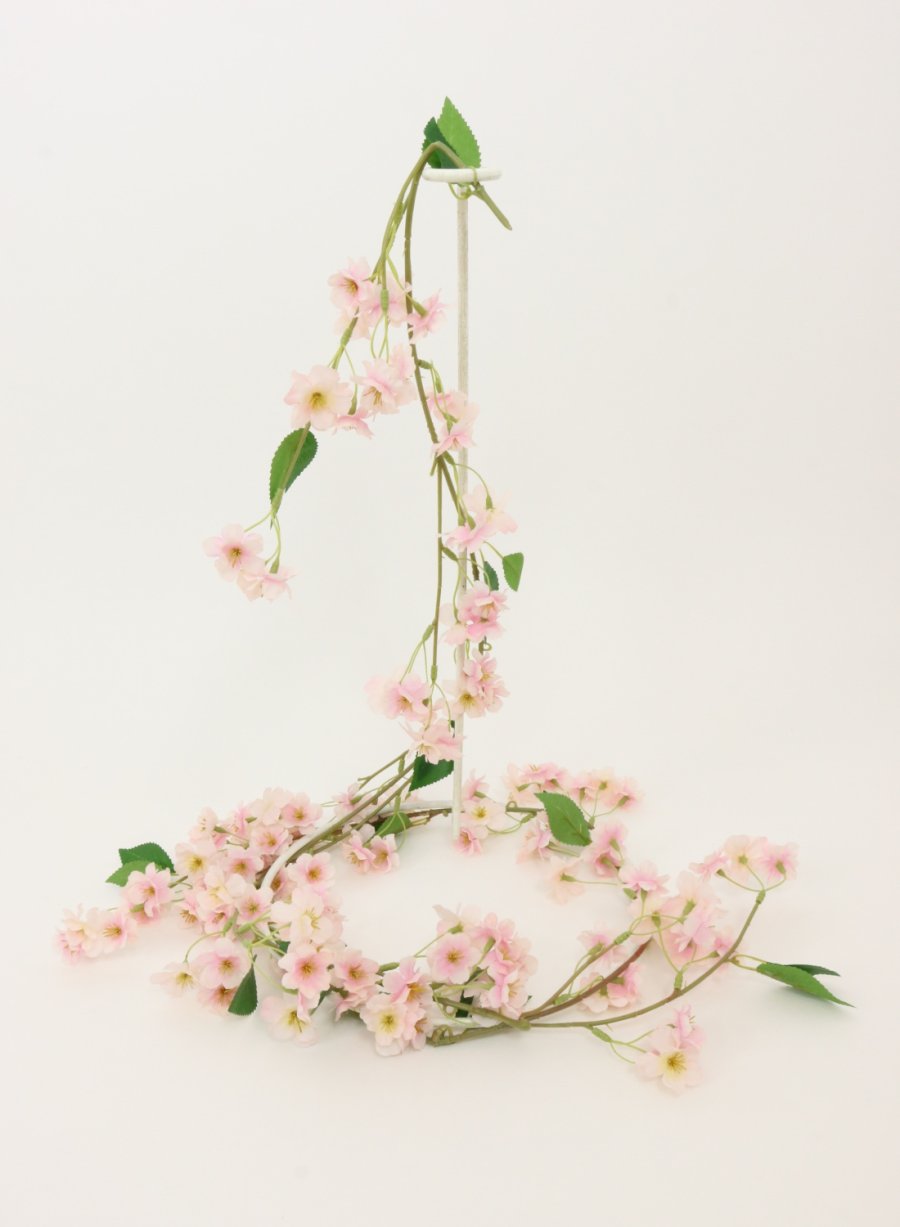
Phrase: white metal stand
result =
(461, 177)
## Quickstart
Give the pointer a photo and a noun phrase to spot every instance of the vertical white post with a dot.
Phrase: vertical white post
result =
(461, 176)
(462, 479)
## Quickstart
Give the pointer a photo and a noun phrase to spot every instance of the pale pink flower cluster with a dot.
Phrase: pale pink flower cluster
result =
(486, 956)
(453, 416)
(475, 618)
(238, 557)
(400, 1011)
(751, 861)
(478, 689)
(622, 991)
(367, 852)
(358, 298)
(485, 517)
(427, 721)
(95, 932)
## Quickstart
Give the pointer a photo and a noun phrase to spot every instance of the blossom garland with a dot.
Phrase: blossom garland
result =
(257, 887)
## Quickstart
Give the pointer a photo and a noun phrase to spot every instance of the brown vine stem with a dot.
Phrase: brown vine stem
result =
(544, 1011)
(580, 969)
(684, 989)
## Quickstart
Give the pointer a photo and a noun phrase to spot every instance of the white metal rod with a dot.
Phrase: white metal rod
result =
(462, 473)
(460, 174)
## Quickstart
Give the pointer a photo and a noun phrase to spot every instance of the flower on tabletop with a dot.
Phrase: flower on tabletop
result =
(175, 978)
(224, 964)
(287, 1019)
(642, 878)
(393, 1023)
(452, 958)
(469, 839)
(306, 970)
(148, 891)
(562, 879)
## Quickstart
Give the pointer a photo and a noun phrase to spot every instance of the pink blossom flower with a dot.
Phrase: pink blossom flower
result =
(307, 916)
(688, 1034)
(452, 958)
(148, 891)
(453, 417)
(391, 1022)
(711, 865)
(477, 690)
(224, 964)
(477, 611)
(436, 741)
(384, 853)
(299, 813)
(406, 982)
(287, 1019)
(318, 398)
(254, 904)
(269, 585)
(409, 696)
(424, 323)
(536, 840)
(355, 851)
(236, 552)
(562, 879)
(315, 871)
(109, 929)
(306, 970)
(74, 937)
(401, 363)
(481, 811)
(193, 859)
(778, 863)
(468, 841)
(487, 518)
(604, 854)
(676, 1066)
(381, 390)
(644, 877)
(354, 974)
(175, 978)
(348, 285)
(746, 855)
(217, 999)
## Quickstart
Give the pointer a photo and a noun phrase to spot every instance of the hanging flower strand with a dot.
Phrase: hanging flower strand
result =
(256, 888)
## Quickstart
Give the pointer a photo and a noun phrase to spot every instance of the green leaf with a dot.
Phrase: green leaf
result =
(797, 978)
(147, 852)
(492, 578)
(432, 134)
(512, 569)
(244, 1000)
(567, 822)
(813, 969)
(394, 825)
(459, 135)
(425, 773)
(119, 877)
(291, 457)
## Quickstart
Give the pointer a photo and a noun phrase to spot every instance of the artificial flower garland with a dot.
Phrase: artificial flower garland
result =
(256, 887)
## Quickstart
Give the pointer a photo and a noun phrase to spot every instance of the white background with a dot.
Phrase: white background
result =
(685, 354)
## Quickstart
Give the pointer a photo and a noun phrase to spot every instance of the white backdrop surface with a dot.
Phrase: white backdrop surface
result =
(686, 358)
